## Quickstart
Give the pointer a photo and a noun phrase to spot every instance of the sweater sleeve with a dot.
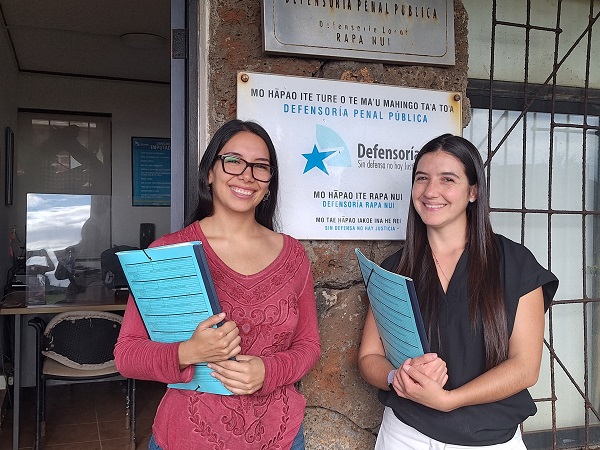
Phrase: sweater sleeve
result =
(136, 356)
(289, 366)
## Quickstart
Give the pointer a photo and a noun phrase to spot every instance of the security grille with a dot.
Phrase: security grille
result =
(540, 140)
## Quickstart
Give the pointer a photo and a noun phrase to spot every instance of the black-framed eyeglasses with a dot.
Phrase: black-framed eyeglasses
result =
(234, 165)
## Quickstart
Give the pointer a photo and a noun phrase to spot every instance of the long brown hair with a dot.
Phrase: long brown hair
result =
(486, 301)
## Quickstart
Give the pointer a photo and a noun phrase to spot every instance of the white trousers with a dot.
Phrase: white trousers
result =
(396, 435)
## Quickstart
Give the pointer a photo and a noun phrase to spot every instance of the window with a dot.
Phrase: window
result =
(63, 153)
(543, 172)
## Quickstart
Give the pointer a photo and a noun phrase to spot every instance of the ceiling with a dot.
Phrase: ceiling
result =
(83, 38)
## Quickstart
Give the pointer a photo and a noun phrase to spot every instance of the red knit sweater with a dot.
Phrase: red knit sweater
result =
(276, 315)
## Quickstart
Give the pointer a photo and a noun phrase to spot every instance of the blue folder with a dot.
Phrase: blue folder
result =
(396, 311)
(174, 292)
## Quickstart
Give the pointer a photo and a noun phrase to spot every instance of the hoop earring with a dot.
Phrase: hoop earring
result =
(267, 196)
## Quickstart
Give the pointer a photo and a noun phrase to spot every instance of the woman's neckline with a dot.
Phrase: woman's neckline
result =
(212, 254)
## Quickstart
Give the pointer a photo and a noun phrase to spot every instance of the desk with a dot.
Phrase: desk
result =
(95, 298)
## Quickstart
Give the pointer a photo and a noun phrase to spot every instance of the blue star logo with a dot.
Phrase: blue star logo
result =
(315, 159)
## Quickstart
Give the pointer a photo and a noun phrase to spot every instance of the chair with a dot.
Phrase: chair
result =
(77, 346)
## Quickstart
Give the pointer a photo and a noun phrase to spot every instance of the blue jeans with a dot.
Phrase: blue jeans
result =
(298, 443)
(152, 445)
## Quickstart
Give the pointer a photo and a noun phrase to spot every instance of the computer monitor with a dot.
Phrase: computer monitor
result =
(65, 235)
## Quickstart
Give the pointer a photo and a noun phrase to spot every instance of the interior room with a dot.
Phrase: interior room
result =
(85, 121)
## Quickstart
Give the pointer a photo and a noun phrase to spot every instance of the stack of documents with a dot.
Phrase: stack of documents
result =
(174, 292)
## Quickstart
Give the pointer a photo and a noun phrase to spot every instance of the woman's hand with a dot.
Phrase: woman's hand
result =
(414, 382)
(432, 366)
(244, 375)
(429, 365)
(209, 344)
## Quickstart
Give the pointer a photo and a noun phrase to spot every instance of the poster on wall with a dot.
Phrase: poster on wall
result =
(345, 150)
(151, 166)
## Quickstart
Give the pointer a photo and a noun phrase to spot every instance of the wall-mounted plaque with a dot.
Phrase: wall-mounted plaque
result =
(345, 150)
(416, 32)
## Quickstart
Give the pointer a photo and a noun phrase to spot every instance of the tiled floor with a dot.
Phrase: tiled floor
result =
(87, 416)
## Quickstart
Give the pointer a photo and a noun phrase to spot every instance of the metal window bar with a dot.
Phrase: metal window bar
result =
(550, 212)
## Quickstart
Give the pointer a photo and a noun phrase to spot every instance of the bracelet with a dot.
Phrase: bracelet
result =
(391, 377)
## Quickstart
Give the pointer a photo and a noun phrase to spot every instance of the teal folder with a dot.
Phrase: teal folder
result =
(396, 311)
(174, 292)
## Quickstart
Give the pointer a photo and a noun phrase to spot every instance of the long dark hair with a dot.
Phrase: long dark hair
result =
(265, 211)
(483, 273)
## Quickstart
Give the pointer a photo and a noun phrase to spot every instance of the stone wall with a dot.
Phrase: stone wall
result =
(342, 410)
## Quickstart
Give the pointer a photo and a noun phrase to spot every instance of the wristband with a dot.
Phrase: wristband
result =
(391, 377)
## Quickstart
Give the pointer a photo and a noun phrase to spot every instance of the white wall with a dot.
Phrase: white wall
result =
(138, 109)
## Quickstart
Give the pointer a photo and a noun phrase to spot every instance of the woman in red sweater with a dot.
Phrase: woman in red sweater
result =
(265, 287)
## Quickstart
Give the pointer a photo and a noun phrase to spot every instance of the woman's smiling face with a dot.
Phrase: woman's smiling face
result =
(239, 193)
(441, 190)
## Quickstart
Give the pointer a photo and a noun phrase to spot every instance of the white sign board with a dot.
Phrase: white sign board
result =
(345, 150)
